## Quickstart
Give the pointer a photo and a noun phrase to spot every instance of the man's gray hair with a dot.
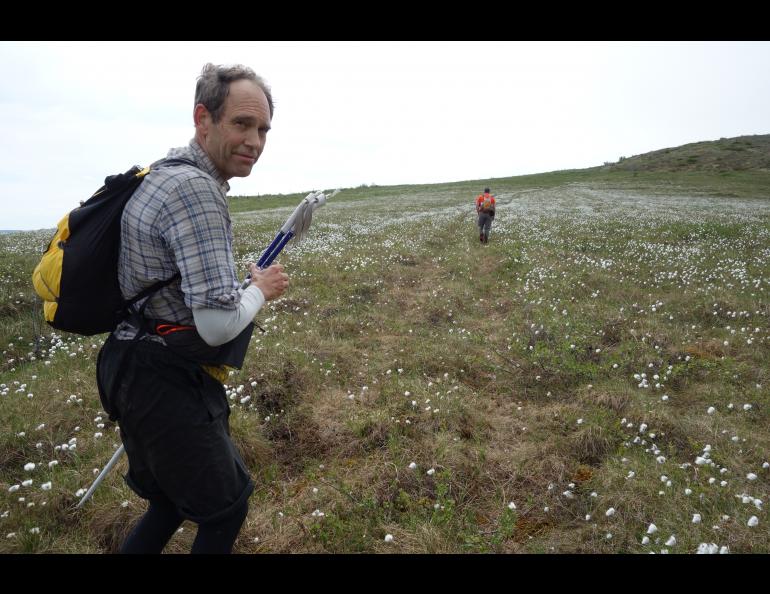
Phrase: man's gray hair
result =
(214, 85)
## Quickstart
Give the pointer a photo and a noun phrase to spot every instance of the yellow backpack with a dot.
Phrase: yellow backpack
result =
(77, 277)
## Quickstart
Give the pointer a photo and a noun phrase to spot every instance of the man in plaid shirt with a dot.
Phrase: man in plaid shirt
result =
(173, 414)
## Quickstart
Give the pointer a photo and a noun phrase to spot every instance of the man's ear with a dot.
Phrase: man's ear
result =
(202, 118)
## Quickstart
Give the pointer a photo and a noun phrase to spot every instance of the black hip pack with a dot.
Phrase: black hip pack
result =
(187, 343)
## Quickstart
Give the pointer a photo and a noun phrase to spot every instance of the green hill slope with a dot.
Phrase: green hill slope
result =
(741, 153)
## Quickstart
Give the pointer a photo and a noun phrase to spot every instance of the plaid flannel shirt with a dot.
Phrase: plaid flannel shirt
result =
(178, 221)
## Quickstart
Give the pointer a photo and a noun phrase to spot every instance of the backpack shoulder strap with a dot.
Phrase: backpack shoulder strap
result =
(151, 289)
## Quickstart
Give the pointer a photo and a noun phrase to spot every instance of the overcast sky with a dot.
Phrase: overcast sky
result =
(352, 113)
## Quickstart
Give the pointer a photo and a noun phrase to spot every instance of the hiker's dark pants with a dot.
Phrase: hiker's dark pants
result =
(174, 425)
(485, 223)
(157, 526)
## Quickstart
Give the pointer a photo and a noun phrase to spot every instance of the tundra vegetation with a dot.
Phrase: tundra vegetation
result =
(596, 379)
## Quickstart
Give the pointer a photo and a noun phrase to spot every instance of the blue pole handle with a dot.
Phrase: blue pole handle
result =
(270, 254)
(267, 252)
(277, 250)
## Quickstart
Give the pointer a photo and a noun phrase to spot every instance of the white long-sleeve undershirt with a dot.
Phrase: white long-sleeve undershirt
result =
(218, 326)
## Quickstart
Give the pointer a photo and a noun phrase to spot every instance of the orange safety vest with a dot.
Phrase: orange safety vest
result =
(485, 202)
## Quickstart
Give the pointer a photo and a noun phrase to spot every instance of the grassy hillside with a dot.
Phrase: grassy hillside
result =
(602, 365)
(741, 153)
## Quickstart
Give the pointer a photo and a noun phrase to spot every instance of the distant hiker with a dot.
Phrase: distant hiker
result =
(158, 372)
(485, 207)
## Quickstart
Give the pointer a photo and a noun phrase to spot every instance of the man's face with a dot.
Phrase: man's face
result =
(236, 141)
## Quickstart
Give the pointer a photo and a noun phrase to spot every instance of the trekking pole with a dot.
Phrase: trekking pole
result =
(297, 226)
(118, 453)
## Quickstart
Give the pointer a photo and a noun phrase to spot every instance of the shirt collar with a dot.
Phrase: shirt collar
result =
(207, 165)
(195, 153)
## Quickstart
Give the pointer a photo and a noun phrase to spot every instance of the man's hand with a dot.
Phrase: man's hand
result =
(272, 281)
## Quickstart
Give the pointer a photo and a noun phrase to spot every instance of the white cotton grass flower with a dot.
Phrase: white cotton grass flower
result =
(646, 540)
(388, 538)
(52, 463)
(707, 548)
(568, 494)
(29, 466)
(14, 488)
(511, 505)
(711, 410)
(46, 486)
(652, 529)
(80, 492)
(696, 519)
(751, 476)
(610, 512)
(671, 541)
(412, 465)
(27, 483)
(753, 521)
(431, 471)
(688, 491)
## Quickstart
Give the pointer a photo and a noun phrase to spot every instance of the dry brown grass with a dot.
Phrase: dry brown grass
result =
(592, 445)
(709, 350)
